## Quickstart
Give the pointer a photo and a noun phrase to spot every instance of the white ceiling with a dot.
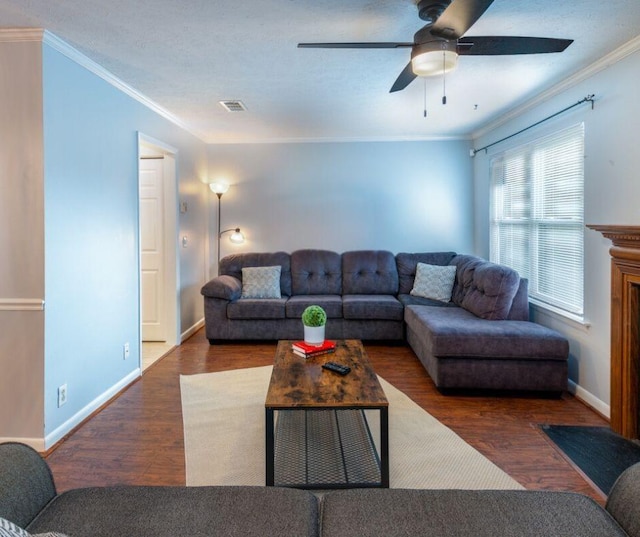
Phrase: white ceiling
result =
(188, 55)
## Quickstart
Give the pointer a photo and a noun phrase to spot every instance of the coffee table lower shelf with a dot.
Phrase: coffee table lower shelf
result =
(329, 448)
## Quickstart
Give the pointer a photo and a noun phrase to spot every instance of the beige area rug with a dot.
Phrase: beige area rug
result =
(224, 436)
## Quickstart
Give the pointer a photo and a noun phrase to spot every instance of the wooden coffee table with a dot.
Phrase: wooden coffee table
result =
(318, 431)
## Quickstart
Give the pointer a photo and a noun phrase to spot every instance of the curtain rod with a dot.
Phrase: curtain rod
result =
(587, 99)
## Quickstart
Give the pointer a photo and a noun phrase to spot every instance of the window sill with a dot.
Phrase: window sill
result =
(557, 314)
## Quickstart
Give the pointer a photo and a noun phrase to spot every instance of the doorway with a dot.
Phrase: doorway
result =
(158, 232)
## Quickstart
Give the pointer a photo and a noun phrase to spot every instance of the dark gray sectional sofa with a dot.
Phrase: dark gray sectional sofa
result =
(29, 500)
(481, 339)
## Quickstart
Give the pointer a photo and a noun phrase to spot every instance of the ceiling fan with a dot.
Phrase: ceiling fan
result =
(437, 45)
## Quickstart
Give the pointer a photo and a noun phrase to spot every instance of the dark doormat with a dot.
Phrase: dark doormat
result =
(601, 454)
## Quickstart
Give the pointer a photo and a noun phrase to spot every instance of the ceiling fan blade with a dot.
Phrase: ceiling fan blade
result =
(406, 77)
(355, 45)
(459, 17)
(504, 45)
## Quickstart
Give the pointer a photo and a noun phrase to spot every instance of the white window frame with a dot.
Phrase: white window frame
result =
(537, 217)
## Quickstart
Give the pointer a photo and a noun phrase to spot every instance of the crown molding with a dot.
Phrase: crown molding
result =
(630, 47)
(339, 140)
(13, 35)
(78, 57)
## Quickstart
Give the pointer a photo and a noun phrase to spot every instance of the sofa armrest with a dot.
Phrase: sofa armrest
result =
(224, 287)
(623, 502)
(26, 483)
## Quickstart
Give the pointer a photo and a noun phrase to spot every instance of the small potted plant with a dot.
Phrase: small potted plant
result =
(314, 319)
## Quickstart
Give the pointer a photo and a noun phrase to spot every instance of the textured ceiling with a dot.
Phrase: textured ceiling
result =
(188, 55)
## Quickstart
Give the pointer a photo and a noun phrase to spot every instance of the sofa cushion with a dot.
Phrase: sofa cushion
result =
(384, 307)
(407, 263)
(261, 282)
(456, 513)
(257, 308)
(410, 300)
(172, 511)
(316, 272)
(483, 288)
(433, 281)
(369, 272)
(232, 265)
(458, 332)
(332, 305)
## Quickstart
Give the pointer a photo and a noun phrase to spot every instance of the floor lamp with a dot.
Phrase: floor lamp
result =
(236, 237)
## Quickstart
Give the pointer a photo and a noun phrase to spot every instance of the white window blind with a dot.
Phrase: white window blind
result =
(537, 216)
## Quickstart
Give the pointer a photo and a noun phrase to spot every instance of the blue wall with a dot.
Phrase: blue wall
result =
(399, 196)
(91, 238)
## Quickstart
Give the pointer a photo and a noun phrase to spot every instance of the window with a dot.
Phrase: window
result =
(537, 216)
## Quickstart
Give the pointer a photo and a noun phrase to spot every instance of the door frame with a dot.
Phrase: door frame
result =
(150, 147)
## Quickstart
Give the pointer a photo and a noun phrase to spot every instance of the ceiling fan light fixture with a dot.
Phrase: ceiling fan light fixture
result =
(434, 62)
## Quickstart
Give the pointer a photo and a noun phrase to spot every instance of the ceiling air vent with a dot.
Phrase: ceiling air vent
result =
(233, 106)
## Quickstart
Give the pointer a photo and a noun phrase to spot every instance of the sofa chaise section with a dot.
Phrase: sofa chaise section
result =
(483, 339)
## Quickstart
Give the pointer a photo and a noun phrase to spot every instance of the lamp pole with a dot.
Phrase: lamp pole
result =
(219, 194)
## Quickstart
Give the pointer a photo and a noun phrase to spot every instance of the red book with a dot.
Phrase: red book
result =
(312, 350)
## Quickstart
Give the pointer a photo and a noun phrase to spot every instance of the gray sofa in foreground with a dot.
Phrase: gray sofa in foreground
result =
(29, 500)
(481, 338)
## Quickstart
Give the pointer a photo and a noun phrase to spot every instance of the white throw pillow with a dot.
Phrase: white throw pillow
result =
(9, 529)
(261, 282)
(434, 281)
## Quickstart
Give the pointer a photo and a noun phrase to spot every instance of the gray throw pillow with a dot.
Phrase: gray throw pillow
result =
(434, 281)
(261, 282)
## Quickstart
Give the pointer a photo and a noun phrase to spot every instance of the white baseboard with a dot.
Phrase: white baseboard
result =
(589, 399)
(89, 409)
(190, 331)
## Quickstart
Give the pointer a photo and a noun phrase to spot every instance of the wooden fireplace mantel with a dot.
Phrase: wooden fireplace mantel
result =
(625, 323)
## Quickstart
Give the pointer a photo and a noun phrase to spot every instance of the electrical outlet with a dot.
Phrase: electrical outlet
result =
(125, 350)
(62, 395)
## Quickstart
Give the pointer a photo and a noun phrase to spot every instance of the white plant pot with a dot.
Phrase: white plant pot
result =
(314, 335)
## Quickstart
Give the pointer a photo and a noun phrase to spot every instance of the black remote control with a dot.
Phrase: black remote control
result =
(337, 368)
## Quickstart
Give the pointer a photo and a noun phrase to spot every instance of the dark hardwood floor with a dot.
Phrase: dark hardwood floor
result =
(137, 438)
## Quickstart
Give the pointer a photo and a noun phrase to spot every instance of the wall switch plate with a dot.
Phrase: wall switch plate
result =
(184, 207)
(62, 395)
(125, 350)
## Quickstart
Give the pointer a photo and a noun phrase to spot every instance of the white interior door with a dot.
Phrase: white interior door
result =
(152, 241)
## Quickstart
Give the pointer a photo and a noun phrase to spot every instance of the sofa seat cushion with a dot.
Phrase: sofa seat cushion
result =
(410, 300)
(455, 513)
(332, 305)
(257, 308)
(383, 307)
(457, 332)
(171, 511)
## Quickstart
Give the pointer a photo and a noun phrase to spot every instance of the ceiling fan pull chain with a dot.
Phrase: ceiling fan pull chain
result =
(425, 97)
(444, 78)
